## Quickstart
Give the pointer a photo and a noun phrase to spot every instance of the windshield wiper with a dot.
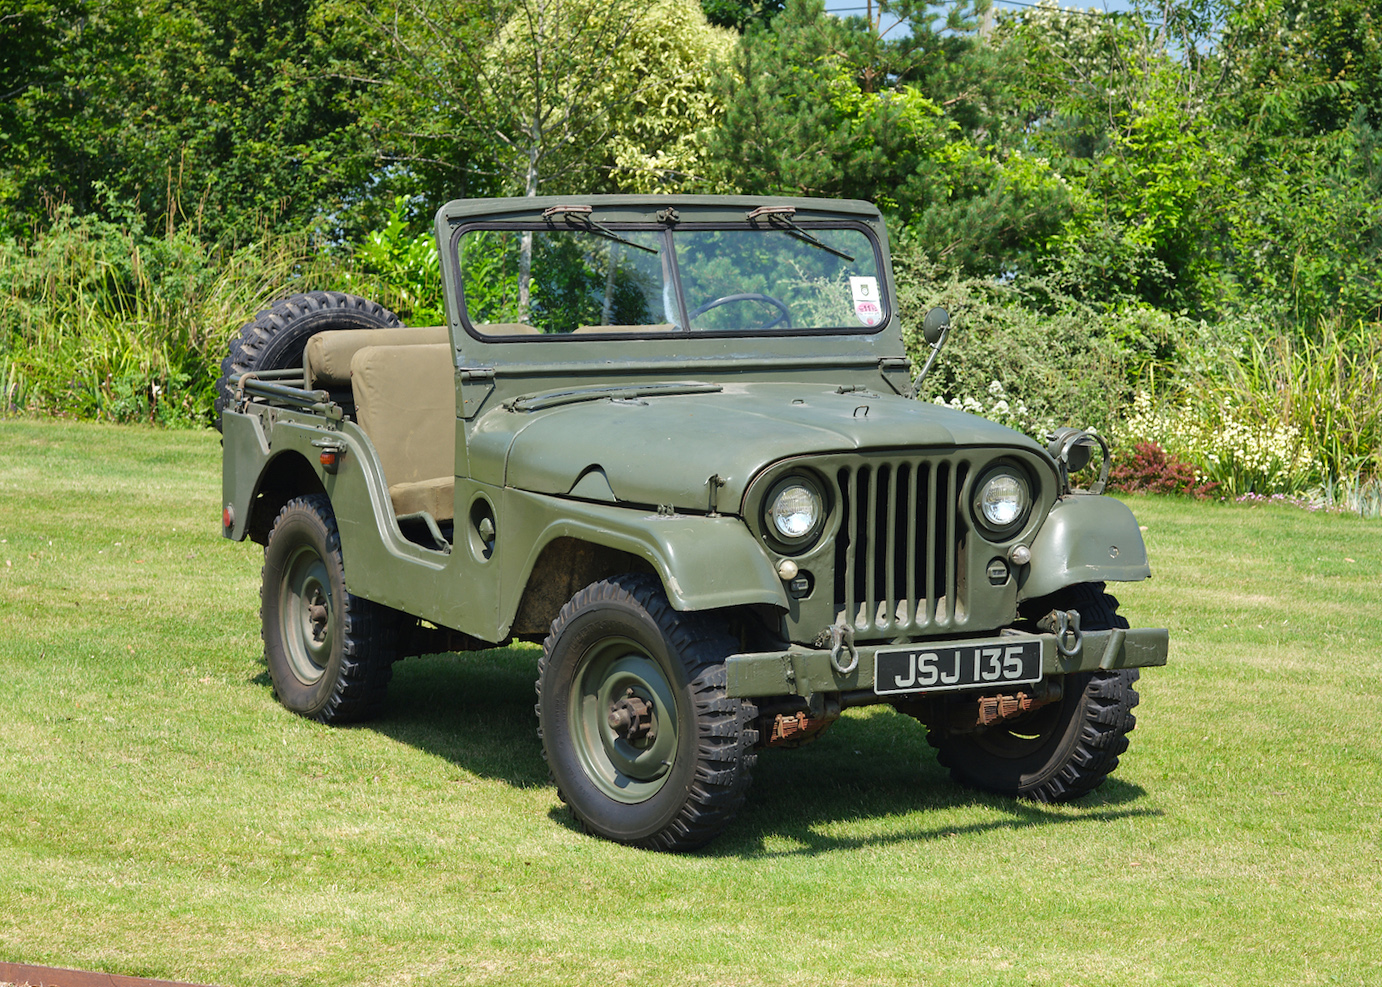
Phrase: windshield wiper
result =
(783, 215)
(581, 215)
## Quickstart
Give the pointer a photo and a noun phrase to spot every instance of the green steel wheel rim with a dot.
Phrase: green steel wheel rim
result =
(625, 766)
(306, 614)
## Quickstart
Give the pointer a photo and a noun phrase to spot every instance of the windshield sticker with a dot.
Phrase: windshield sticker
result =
(865, 291)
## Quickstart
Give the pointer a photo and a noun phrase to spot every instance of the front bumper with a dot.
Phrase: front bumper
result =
(806, 671)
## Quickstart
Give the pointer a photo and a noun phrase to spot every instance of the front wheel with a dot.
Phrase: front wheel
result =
(1063, 750)
(641, 740)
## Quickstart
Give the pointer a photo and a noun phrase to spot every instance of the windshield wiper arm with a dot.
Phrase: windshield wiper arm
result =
(783, 215)
(581, 214)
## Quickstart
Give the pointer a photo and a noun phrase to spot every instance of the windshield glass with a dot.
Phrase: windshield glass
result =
(592, 279)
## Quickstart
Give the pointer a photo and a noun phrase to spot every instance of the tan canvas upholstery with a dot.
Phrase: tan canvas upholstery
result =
(506, 329)
(405, 400)
(661, 327)
(326, 359)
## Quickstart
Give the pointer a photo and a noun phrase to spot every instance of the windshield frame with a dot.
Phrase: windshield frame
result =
(668, 231)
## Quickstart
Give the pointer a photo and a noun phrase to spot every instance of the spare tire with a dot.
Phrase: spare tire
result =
(277, 336)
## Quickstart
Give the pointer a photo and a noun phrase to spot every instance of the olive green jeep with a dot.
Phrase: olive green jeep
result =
(676, 441)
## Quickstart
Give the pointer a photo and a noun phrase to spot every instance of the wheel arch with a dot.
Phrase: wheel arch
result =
(703, 563)
(1084, 539)
(285, 476)
(563, 567)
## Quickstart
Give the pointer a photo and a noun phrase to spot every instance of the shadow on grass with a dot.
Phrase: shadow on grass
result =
(476, 711)
(879, 768)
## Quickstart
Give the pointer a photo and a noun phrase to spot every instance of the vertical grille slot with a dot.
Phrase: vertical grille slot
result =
(897, 557)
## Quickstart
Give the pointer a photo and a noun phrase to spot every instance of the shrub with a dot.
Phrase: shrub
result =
(99, 320)
(1151, 469)
(1226, 445)
(1062, 361)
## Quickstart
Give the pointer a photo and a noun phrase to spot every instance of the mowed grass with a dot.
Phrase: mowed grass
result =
(164, 816)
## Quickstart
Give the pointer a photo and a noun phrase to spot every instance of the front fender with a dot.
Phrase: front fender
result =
(704, 562)
(1085, 539)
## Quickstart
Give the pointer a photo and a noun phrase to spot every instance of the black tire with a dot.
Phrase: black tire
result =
(330, 653)
(1061, 751)
(275, 339)
(677, 786)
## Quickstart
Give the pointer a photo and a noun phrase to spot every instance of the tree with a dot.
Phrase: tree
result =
(218, 113)
(525, 96)
(820, 106)
(550, 95)
(738, 14)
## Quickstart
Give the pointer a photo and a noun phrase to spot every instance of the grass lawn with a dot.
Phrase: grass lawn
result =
(164, 816)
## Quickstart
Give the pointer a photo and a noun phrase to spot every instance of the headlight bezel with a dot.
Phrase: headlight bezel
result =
(1025, 499)
(780, 541)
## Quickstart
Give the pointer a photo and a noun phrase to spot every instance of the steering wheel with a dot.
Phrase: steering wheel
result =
(750, 296)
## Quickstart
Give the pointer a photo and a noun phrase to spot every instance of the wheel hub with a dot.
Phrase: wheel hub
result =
(317, 615)
(631, 717)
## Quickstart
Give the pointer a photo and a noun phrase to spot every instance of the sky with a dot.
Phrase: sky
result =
(860, 7)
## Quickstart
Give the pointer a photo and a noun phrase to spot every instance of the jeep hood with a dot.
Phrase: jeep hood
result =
(649, 448)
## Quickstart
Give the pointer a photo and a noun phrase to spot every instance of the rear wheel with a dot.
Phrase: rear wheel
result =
(1062, 750)
(641, 740)
(329, 652)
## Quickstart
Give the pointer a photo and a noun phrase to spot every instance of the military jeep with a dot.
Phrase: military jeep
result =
(676, 441)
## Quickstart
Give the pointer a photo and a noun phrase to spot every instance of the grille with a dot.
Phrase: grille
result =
(899, 560)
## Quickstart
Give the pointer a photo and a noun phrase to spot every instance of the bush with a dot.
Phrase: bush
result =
(1062, 361)
(1150, 469)
(100, 321)
(1272, 413)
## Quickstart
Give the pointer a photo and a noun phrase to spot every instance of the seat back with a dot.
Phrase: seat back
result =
(405, 400)
(326, 358)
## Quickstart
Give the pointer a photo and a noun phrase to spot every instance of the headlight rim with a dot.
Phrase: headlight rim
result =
(1028, 495)
(782, 543)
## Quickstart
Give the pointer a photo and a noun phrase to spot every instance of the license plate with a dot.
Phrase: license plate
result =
(984, 664)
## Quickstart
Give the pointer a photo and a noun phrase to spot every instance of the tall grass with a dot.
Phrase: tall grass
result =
(1282, 413)
(98, 320)
(1328, 386)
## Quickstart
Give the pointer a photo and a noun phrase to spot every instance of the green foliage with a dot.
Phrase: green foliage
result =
(522, 96)
(1328, 387)
(1356, 495)
(738, 14)
(818, 106)
(400, 270)
(1276, 415)
(100, 320)
(220, 114)
(1059, 360)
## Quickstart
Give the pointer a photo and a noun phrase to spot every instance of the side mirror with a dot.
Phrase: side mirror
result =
(934, 325)
(934, 328)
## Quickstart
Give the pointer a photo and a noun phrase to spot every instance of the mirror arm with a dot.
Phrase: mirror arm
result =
(935, 352)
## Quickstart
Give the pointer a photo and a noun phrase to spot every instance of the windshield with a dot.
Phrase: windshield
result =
(575, 277)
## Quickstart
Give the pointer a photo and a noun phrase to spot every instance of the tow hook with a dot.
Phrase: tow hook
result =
(841, 638)
(1065, 624)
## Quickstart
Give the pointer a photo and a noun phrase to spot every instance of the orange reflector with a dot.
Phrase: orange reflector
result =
(328, 457)
(228, 517)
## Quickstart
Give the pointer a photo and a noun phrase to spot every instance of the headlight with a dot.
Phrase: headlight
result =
(794, 511)
(1002, 501)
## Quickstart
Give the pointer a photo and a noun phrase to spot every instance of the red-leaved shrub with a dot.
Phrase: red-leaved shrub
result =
(1151, 469)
